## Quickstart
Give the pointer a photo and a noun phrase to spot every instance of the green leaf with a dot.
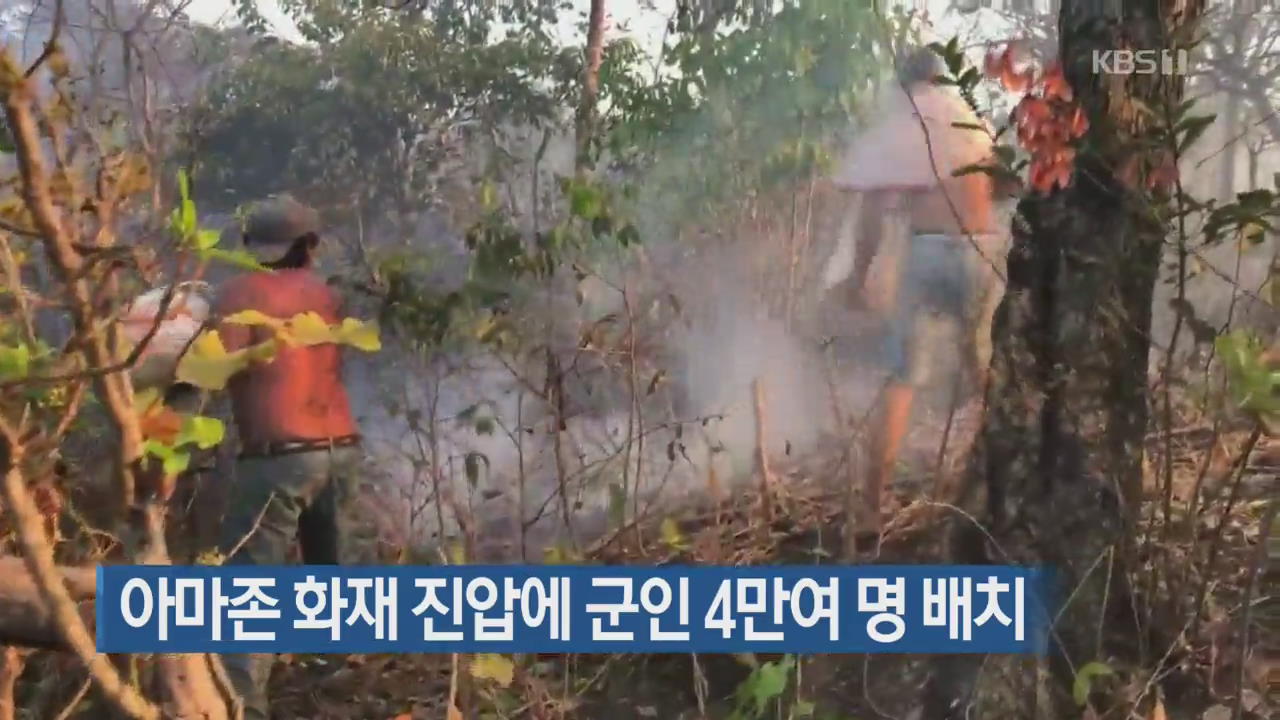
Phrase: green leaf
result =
(173, 461)
(617, 504)
(1084, 680)
(204, 432)
(1254, 385)
(770, 682)
(184, 185)
(585, 201)
(177, 462)
(1192, 128)
(238, 258)
(471, 464)
(207, 239)
(15, 361)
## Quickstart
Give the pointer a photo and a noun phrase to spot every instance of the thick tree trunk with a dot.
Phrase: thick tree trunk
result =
(1056, 472)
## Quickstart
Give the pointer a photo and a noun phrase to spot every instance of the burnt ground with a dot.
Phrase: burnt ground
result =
(1197, 676)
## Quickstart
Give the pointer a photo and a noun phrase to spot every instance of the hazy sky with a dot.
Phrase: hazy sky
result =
(645, 19)
(214, 11)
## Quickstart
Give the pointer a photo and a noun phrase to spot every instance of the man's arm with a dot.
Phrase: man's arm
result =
(875, 204)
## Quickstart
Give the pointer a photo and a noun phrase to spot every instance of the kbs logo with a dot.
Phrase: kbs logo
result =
(1140, 62)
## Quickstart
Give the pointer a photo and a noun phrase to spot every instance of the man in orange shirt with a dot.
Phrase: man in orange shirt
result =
(296, 476)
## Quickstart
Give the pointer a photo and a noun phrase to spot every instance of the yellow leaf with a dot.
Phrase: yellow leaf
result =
(360, 335)
(493, 667)
(263, 352)
(253, 317)
(208, 365)
(308, 329)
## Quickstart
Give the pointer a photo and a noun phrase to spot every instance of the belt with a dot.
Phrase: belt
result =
(271, 449)
(952, 235)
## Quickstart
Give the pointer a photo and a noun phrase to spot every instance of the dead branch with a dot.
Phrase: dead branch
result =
(767, 481)
(114, 390)
(56, 595)
(26, 620)
(11, 664)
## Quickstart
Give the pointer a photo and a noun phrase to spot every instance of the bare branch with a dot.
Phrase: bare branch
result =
(38, 556)
(51, 44)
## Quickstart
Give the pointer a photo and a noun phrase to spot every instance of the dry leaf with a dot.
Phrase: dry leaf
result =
(161, 424)
(1157, 712)
(493, 667)
(1217, 712)
(454, 713)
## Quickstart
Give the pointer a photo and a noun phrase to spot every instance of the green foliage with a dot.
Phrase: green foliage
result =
(186, 228)
(201, 432)
(1083, 683)
(750, 107)
(766, 684)
(356, 117)
(472, 463)
(1249, 217)
(1253, 380)
(15, 361)
(501, 265)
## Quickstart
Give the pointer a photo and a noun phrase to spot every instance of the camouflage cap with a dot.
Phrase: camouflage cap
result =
(271, 225)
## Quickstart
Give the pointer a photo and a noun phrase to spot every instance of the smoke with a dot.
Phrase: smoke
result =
(630, 444)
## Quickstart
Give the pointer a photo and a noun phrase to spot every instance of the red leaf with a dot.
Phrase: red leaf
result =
(1056, 86)
(1079, 122)
(161, 424)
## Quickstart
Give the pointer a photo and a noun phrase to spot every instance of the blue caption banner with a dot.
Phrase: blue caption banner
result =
(571, 609)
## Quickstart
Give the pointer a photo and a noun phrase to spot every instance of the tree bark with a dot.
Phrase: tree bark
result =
(585, 126)
(1056, 473)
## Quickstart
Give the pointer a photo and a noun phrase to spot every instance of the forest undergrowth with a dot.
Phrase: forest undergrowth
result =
(1196, 671)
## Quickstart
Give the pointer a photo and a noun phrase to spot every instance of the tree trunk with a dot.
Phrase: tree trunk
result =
(1056, 472)
(585, 126)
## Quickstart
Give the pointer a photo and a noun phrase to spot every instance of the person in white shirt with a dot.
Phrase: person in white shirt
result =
(949, 237)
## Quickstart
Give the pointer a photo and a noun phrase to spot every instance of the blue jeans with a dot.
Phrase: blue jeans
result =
(308, 496)
(946, 276)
